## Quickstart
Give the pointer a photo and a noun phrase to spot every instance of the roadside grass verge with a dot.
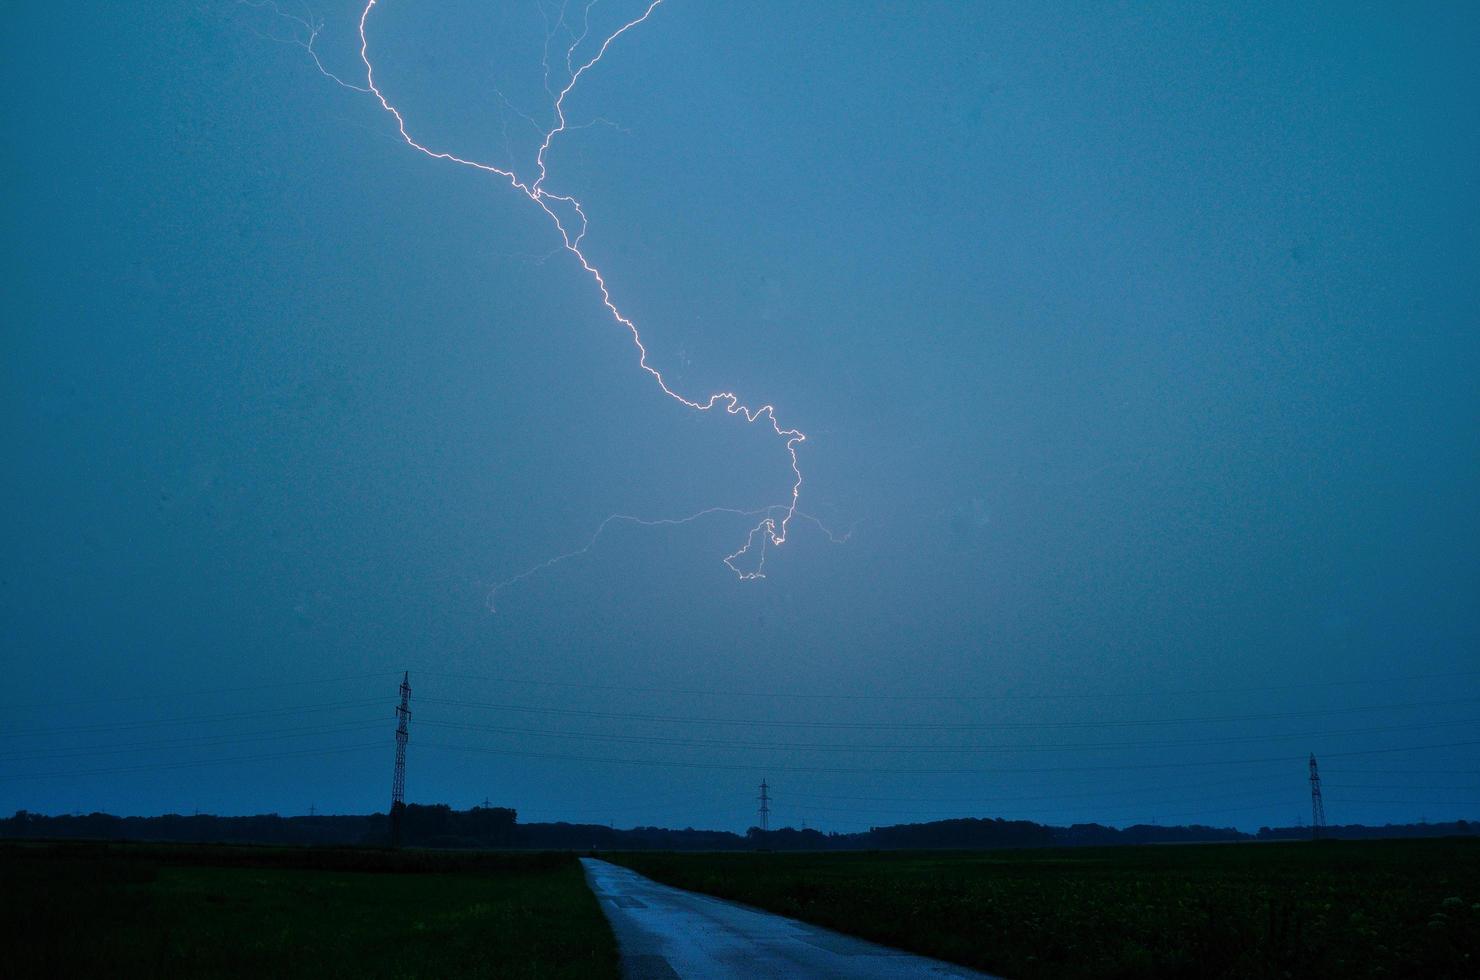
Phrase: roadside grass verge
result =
(1331, 909)
(122, 910)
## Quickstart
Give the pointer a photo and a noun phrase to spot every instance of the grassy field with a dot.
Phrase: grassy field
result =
(1332, 909)
(76, 910)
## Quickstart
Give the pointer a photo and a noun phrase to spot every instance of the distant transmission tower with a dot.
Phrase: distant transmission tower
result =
(398, 784)
(765, 810)
(1317, 808)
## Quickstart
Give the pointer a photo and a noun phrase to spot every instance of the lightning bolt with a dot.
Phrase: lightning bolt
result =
(774, 521)
(585, 549)
(311, 28)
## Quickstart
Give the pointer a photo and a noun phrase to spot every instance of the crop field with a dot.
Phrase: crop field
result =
(76, 910)
(1330, 909)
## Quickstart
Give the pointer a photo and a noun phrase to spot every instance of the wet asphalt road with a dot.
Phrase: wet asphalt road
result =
(666, 933)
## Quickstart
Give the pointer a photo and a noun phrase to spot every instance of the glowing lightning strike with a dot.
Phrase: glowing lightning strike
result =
(312, 29)
(590, 544)
(772, 531)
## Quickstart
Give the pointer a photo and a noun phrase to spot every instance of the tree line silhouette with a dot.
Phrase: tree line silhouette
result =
(440, 826)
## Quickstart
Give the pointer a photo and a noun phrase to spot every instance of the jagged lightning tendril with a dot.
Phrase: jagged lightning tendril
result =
(771, 529)
(590, 544)
(311, 28)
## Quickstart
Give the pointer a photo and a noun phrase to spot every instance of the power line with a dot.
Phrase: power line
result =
(1096, 803)
(191, 765)
(712, 692)
(936, 749)
(832, 696)
(945, 726)
(1098, 794)
(1421, 789)
(1406, 772)
(1120, 789)
(199, 692)
(193, 719)
(876, 770)
(231, 739)
(1101, 813)
(1345, 802)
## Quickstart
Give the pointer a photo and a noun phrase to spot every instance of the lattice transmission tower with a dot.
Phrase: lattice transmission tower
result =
(398, 783)
(1317, 808)
(765, 810)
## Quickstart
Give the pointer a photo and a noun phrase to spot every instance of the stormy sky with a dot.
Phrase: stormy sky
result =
(1136, 347)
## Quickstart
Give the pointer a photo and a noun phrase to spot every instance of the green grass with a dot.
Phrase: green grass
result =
(1333, 909)
(73, 910)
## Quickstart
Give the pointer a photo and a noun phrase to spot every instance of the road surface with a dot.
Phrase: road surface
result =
(666, 933)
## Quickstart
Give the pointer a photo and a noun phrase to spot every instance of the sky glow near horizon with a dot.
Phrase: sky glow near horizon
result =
(1136, 349)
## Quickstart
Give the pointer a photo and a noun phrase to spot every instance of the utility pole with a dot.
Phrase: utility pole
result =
(765, 810)
(398, 784)
(1317, 808)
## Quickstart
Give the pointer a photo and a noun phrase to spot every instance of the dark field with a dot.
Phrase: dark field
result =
(76, 910)
(1332, 909)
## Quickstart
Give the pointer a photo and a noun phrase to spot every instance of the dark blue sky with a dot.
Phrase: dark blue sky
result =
(1138, 345)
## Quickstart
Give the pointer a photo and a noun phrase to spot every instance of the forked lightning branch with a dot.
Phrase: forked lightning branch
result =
(773, 523)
